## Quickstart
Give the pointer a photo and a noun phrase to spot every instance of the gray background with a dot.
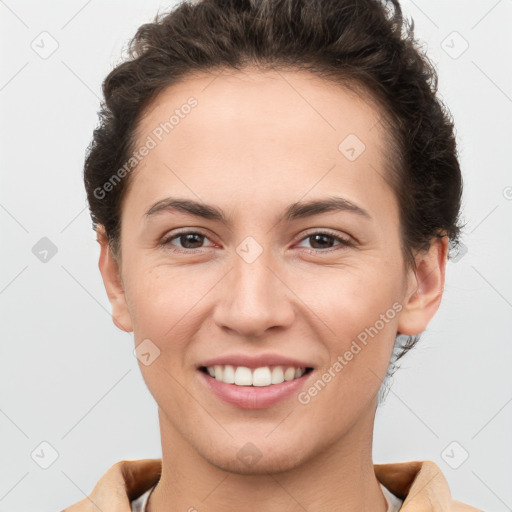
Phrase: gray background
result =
(68, 376)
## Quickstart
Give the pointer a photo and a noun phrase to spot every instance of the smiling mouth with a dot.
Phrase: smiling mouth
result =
(263, 376)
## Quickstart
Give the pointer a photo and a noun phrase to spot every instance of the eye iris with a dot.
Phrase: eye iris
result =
(189, 238)
(321, 236)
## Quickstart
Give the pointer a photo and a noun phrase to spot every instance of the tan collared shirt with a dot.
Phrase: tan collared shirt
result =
(394, 503)
(419, 485)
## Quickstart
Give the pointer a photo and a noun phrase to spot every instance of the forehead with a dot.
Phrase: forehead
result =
(254, 130)
(263, 100)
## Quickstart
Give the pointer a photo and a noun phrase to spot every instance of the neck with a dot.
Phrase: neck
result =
(341, 478)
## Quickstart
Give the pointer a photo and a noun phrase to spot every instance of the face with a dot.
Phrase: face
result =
(259, 235)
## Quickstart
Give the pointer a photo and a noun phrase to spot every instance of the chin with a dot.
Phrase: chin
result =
(257, 458)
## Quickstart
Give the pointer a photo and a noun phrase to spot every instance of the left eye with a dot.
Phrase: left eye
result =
(322, 239)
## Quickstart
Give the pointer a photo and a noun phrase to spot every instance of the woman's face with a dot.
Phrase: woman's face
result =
(263, 280)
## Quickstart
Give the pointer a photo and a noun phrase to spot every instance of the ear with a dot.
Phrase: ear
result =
(111, 274)
(425, 286)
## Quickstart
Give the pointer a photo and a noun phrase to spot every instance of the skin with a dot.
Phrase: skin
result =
(257, 142)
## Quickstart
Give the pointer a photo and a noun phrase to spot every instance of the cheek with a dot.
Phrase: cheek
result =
(164, 306)
(360, 308)
(164, 300)
(350, 300)
(359, 356)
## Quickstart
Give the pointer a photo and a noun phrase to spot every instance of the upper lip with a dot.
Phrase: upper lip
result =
(255, 361)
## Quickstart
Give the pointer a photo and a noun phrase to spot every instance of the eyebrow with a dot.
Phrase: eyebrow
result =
(298, 210)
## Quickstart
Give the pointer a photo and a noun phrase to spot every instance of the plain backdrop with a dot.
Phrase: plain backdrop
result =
(71, 394)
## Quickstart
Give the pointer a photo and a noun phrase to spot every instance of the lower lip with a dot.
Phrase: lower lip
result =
(254, 397)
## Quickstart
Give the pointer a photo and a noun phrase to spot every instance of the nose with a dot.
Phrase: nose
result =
(253, 298)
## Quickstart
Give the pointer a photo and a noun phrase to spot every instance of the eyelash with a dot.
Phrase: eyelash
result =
(343, 242)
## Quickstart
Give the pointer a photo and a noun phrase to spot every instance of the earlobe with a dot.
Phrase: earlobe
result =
(424, 289)
(111, 275)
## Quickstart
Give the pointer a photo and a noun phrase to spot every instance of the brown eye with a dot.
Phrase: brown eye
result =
(188, 240)
(325, 241)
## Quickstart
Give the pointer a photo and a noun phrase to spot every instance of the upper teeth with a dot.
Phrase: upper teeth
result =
(264, 376)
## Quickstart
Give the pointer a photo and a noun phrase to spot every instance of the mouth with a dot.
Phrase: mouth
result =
(254, 383)
(263, 376)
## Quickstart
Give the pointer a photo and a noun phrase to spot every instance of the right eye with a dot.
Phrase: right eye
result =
(189, 240)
